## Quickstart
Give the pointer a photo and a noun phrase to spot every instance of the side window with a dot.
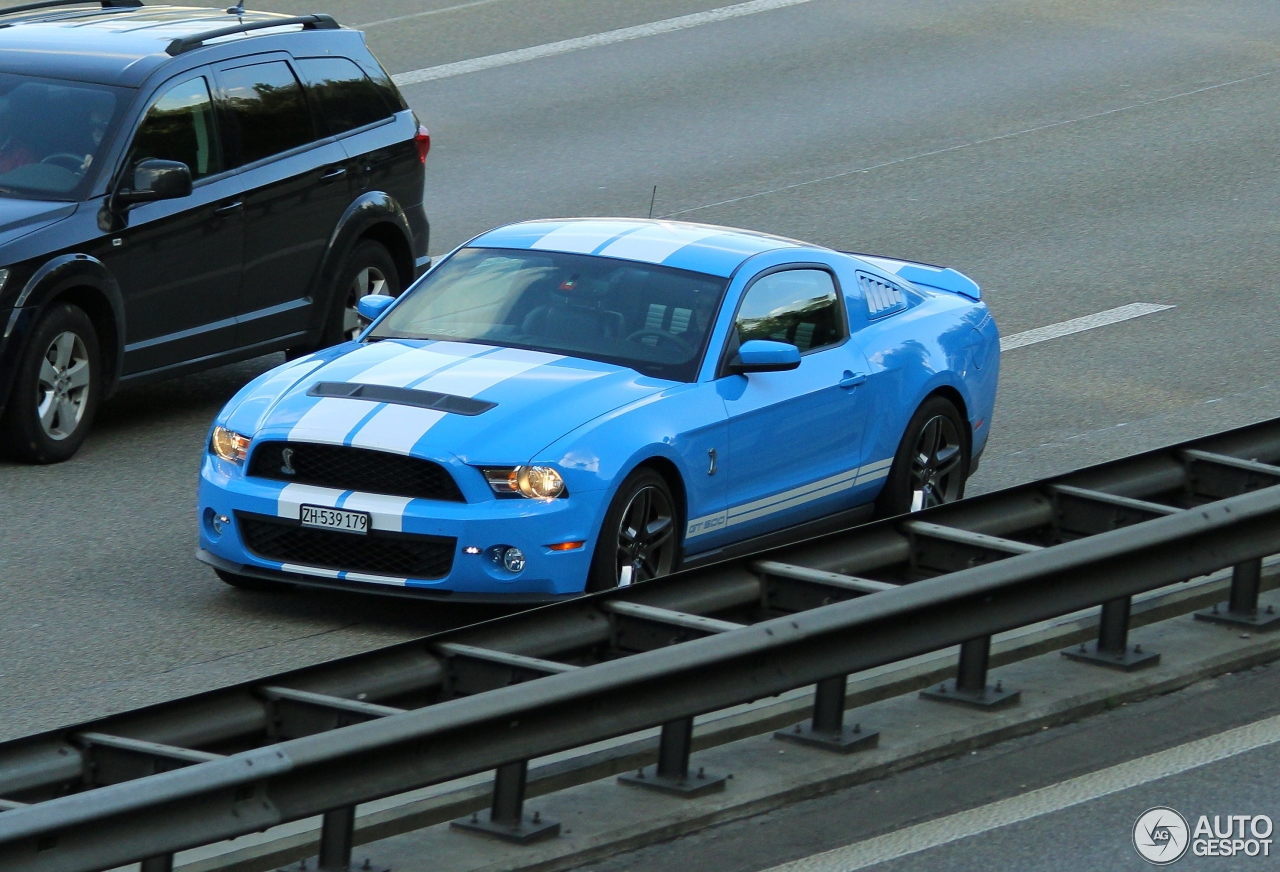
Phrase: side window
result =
(347, 98)
(264, 112)
(797, 306)
(179, 126)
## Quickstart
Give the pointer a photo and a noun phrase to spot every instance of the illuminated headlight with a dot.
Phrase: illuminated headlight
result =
(534, 482)
(229, 445)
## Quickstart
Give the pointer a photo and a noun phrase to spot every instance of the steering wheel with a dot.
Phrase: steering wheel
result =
(66, 160)
(662, 336)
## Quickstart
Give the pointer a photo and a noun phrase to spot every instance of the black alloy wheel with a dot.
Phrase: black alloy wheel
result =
(932, 462)
(57, 389)
(639, 539)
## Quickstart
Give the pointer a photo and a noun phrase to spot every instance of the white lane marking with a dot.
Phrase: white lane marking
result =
(459, 7)
(1078, 325)
(609, 37)
(1037, 803)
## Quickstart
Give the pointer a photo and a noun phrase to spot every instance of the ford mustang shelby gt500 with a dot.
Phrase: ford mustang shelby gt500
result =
(579, 404)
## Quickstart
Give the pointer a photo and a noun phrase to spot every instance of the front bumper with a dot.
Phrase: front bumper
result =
(487, 526)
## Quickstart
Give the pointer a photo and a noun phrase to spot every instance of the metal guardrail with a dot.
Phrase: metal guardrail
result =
(142, 785)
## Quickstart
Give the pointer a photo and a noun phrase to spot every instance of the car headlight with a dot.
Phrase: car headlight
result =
(229, 445)
(534, 482)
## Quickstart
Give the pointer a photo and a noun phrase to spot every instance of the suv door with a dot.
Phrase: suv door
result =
(296, 187)
(795, 437)
(182, 257)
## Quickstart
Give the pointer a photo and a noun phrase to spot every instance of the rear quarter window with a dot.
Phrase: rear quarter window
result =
(346, 96)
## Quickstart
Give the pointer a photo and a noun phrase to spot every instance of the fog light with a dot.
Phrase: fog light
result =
(513, 560)
(218, 522)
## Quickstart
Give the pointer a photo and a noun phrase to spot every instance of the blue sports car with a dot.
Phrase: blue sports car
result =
(581, 404)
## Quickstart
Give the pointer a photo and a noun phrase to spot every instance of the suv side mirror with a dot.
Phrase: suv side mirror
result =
(156, 179)
(765, 355)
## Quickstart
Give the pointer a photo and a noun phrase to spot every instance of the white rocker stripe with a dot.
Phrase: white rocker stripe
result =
(789, 499)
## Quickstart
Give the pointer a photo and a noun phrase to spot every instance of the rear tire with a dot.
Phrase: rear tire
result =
(640, 536)
(257, 585)
(932, 463)
(57, 389)
(369, 269)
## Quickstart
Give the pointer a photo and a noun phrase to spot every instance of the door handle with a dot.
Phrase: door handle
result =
(852, 379)
(335, 173)
(230, 208)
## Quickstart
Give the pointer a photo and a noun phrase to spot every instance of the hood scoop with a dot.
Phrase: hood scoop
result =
(402, 397)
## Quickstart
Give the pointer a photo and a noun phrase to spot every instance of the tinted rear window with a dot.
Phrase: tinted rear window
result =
(347, 98)
(265, 112)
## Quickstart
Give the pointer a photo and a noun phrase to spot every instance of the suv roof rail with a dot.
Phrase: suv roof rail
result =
(47, 4)
(317, 21)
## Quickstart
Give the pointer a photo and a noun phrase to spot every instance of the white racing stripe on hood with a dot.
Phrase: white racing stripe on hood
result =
(654, 244)
(332, 418)
(398, 428)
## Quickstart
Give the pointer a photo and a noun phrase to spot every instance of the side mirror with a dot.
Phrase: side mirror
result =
(370, 306)
(765, 355)
(156, 180)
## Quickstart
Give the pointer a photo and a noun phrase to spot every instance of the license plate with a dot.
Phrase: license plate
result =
(335, 519)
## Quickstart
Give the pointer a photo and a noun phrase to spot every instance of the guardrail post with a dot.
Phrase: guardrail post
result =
(970, 686)
(1242, 608)
(337, 838)
(826, 729)
(671, 775)
(506, 814)
(163, 863)
(1112, 648)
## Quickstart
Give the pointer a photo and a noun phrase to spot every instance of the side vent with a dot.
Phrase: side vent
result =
(882, 297)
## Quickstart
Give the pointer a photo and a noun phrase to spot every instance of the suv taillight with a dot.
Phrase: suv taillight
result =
(422, 139)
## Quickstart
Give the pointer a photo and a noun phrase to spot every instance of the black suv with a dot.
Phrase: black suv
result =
(185, 187)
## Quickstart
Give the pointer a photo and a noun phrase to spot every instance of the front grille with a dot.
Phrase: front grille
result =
(402, 555)
(357, 469)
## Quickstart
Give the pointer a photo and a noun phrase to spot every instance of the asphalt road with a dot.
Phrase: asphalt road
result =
(1091, 835)
(1071, 157)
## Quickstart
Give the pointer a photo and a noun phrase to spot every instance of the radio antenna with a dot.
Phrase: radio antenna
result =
(652, 199)
(237, 10)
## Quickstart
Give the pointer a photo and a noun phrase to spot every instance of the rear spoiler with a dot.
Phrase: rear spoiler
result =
(939, 277)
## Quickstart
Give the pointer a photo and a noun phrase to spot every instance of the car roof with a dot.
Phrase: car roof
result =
(111, 46)
(703, 248)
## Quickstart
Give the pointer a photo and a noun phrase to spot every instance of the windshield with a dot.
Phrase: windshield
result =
(651, 318)
(51, 133)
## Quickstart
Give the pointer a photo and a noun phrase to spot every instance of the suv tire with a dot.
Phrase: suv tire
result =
(57, 388)
(369, 269)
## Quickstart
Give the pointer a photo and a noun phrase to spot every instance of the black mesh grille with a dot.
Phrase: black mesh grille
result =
(357, 469)
(402, 555)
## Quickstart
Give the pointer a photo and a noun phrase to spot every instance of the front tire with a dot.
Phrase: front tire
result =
(639, 538)
(932, 462)
(56, 392)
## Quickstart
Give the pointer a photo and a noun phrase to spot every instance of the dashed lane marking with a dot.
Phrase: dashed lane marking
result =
(1078, 325)
(609, 37)
(1037, 803)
